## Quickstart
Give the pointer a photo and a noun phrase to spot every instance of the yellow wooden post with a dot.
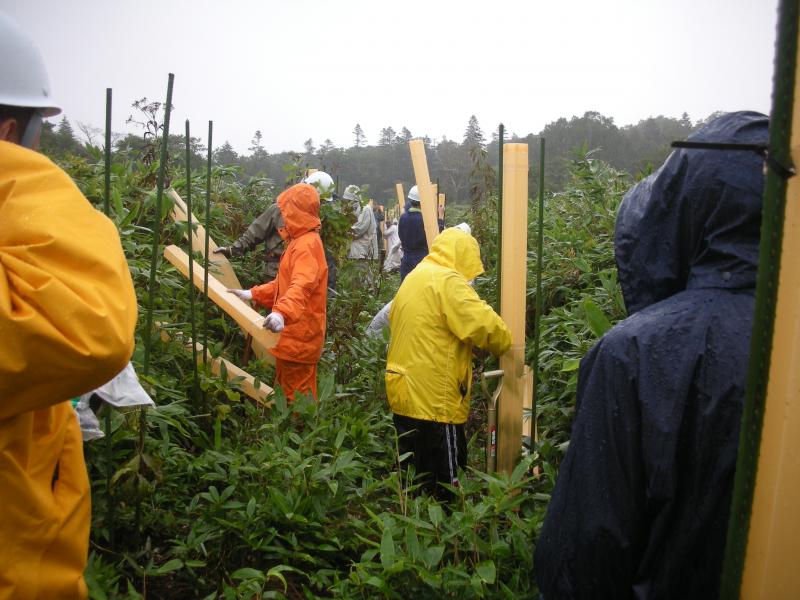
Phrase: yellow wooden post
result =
(426, 189)
(773, 544)
(512, 304)
(401, 197)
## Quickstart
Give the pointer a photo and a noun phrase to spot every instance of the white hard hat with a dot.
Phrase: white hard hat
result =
(464, 227)
(413, 194)
(351, 192)
(322, 181)
(23, 77)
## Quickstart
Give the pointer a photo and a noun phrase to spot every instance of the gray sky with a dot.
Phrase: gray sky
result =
(314, 68)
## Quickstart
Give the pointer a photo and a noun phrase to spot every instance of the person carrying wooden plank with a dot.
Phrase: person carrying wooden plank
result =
(641, 504)
(297, 297)
(436, 319)
(67, 317)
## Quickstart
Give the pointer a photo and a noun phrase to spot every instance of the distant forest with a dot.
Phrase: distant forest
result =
(463, 168)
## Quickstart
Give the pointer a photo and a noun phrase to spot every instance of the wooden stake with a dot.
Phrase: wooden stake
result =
(426, 190)
(770, 570)
(247, 318)
(247, 384)
(512, 305)
(401, 197)
(222, 268)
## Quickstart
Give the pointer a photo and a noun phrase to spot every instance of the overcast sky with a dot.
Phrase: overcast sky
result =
(304, 69)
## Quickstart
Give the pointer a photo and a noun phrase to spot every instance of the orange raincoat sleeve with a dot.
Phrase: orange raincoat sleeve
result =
(264, 295)
(67, 305)
(304, 280)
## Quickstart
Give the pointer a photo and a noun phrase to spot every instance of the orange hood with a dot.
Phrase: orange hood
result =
(299, 206)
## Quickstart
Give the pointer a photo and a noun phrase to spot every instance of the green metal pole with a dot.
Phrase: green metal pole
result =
(192, 319)
(162, 170)
(148, 332)
(110, 508)
(539, 303)
(780, 132)
(205, 265)
(500, 141)
(107, 195)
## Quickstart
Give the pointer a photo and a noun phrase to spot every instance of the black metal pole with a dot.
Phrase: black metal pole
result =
(192, 319)
(107, 195)
(148, 332)
(205, 254)
(538, 316)
(162, 170)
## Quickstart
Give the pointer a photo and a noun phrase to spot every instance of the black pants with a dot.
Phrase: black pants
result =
(438, 450)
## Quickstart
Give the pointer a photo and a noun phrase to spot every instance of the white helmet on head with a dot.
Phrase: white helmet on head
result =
(413, 194)
(23, 77)
(323, 182)
(351, 192)
(464, 227)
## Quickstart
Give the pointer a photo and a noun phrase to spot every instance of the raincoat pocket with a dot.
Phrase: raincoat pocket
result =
(397, 390)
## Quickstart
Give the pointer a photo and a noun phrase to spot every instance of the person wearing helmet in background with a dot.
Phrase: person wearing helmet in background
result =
(436, 319)
(297, 297)
(264, 229)
(365, 242)
(67, 317)
(642, 500)
(411, 230)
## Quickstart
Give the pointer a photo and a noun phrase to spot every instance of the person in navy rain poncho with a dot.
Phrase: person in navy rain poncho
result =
(641, 506)
(411, 230)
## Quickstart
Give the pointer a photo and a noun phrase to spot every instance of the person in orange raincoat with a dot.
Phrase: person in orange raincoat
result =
(298, 296)
(67, 315)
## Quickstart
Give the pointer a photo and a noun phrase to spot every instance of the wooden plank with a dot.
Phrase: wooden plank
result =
(401, 197)
(528, 418)
(770, 569)
(512, 304)
(247, 318)
(247, 385)
(426, 189)
(222, 268)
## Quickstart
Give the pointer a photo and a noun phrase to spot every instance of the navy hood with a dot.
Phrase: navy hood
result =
(695, 222)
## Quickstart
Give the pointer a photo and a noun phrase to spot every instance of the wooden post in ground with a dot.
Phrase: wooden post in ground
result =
(401, 198)
(426, 189)
(512, 305)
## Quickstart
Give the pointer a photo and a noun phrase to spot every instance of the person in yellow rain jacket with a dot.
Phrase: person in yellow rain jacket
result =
(67, 315)
(436, 319)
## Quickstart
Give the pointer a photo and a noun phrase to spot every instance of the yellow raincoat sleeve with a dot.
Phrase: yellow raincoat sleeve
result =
(67, 305)
(472, 320)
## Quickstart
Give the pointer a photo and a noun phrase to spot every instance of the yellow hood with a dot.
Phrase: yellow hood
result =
(457, 250)
(436, 318)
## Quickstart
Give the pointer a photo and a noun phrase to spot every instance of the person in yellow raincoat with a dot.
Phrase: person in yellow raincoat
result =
(436, 319)
(67, 315)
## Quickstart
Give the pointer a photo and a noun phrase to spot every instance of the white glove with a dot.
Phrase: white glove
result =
(274, 322)
(242, 294)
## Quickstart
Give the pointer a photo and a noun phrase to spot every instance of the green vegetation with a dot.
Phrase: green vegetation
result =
(238, 501)
(632, 149)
